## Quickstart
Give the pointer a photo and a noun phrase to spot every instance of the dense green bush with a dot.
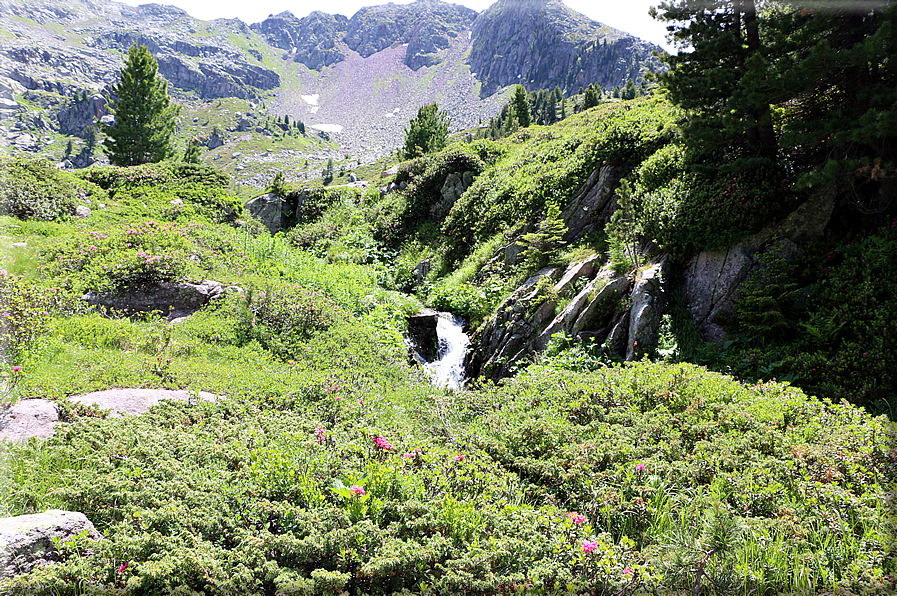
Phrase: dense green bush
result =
(548, 164)
(683, 210)
(112, 178)
(33, 189)
(26, 311)
(825, 321)
(421, 181)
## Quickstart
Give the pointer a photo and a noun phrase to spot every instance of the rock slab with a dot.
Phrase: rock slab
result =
(133, 402)
(28, 418)
(26, 541)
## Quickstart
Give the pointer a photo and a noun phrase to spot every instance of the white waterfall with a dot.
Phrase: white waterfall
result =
(448, 368)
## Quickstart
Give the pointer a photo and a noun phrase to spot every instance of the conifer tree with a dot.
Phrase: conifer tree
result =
(426, 133)
(521, 107)
(144, 114)
(591, 97)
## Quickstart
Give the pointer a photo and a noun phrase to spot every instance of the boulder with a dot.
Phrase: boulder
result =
(82, 211)
(133, 402)
(270, 210)
(592, 205)
(27, 541)
(174, 300)
(423, 335)
(648, 305)
(28, 418)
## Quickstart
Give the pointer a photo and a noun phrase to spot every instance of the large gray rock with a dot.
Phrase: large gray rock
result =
(27, 541)
(28, 418)
(648, 306)
(270, 210)
(173, 300)
(713, 278)
(592, 206)
(133, 402)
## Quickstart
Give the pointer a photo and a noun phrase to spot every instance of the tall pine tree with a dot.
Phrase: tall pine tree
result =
(144, 115)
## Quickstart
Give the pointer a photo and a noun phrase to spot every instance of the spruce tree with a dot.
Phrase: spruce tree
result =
(521, 107)
(144, 114)
(426, 133)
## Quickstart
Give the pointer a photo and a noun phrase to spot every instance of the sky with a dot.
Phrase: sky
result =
(630, 16)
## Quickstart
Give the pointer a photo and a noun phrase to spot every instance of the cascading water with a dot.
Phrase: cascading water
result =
(448, 368)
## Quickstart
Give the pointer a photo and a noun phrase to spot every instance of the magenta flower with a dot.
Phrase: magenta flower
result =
(577, 518)
(627, 571)
(16, 368)
(408, 456)
(357, 490)
(459, 457)
(640, 468)
(590, 545)
(381, 442)
(122, 567)
(320, 434)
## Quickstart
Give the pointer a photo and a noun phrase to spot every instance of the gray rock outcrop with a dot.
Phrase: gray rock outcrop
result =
(27, 541)
(712, 278)
(173, 300)
(593, 204)
(133, 402)
(649, 300)
(271, 210)
(529, 42)
(28, 418)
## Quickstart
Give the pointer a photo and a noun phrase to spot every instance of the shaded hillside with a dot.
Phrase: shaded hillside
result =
(542, 44)
(313, 40)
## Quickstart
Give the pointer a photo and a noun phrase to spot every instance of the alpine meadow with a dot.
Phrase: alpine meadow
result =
(434, 301)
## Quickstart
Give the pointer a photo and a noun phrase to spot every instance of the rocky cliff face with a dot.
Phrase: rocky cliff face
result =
(427, 26)
(543, 43)
(315, 41)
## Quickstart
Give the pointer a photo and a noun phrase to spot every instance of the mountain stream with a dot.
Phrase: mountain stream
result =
(448, 368)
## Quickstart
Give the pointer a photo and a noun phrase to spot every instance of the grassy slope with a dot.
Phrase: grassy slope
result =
(477, 490)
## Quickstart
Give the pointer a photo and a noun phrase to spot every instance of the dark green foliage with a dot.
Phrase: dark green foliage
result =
(836, 70)
(521, 107)
(683, 210)
(112, 178)
(592, 97)
(825, 321)
(34, 189)
(543, 245)
(423, 179)
(426, 133)
(278, 185)
(717, 75)
(144, 114)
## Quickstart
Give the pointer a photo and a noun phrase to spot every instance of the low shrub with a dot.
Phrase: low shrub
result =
(34, 189)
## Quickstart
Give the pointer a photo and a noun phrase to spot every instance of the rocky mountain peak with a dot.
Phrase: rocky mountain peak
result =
(544, 43)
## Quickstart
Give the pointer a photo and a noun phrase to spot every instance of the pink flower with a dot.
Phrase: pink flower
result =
(640, 467)
(320, 434)
(338, 398)
(357, 490)
(3, 273)
(381, 442)
(590, 545)
(627, 571)
(577, 518)
(122, 567)
(16, 368)
(408, 456)
(459, 457)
